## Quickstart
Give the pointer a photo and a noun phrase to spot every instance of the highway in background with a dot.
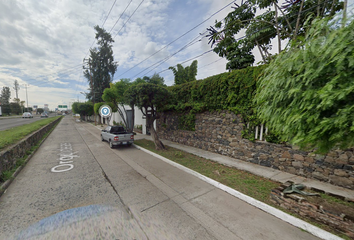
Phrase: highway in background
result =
(10, 122)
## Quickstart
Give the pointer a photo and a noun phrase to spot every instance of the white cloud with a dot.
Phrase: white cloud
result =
(43, 43)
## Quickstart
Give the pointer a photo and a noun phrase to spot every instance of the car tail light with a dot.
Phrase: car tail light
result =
(132, 137)
(116, 138)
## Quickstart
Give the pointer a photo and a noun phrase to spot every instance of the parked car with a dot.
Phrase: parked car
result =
(117, 135)
(44, 115)
(27, 115)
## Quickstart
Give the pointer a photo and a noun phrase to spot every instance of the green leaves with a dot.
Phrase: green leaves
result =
(307, 93)
(147, 95)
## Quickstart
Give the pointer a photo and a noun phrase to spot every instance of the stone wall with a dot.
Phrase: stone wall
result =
(340, 219)
(220, 132)
(11, 154)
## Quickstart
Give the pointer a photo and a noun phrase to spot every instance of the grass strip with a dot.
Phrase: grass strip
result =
(247, 183)
(6, 175)
(13, 135)
(244, 182)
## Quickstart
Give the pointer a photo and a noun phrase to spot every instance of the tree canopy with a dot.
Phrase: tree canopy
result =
(187, 74)
(307, 93)
(149, 98)
(101, 65)
(5, 95)
(260, 21)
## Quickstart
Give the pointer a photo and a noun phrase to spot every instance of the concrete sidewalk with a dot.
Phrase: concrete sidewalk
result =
(270, 173)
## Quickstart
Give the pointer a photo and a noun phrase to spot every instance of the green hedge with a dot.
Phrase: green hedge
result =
(232, 91)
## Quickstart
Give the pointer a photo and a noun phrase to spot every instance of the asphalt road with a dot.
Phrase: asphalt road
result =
(76, 187)
(7, 123)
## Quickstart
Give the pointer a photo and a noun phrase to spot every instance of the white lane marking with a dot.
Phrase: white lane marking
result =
(65, 160)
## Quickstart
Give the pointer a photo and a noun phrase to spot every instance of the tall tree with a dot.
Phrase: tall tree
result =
(149, 98)
(187, 74)
(5, 95)
(285, 22)
(101, 65)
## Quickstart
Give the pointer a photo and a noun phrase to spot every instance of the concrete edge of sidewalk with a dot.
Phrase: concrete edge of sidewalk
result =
(318, 232)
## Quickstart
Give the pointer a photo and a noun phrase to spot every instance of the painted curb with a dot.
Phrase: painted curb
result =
(318, 232)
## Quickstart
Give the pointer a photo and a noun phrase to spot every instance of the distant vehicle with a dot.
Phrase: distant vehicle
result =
(64, 114)
(27, 115)
(44, 115)
(117, 135)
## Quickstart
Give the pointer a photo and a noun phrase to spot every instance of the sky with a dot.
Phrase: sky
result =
(43, 43)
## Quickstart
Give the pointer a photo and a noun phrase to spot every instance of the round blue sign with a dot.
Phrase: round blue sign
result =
(105, 111)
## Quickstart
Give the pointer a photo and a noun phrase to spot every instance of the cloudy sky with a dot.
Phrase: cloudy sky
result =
(43, 43)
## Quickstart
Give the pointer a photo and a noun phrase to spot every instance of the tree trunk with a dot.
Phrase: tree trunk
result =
(158, 144)
(298, 20)
(260, 50)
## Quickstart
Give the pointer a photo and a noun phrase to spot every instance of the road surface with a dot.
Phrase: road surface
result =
(7, 123)
(75, 185)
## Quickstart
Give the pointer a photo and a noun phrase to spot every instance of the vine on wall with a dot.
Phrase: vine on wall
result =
(233, 91)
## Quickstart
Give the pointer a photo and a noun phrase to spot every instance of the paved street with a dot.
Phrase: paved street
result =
(122, 193)
(10, 122)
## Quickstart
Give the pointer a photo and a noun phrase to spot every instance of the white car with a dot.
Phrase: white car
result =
(27, 115)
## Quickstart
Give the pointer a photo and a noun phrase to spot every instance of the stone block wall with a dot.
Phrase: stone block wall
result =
(339, 219)
(220, 132)
(11, 154)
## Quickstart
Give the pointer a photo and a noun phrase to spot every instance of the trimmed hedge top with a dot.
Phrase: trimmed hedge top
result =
(233, 91)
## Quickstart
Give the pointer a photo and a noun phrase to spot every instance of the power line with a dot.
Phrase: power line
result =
(129, 18)
(168, 57)
(188, 60)
(120, 16)
(178, 38)
(109, 13)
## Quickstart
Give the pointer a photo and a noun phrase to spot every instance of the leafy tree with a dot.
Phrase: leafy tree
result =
(101, 65)
(155, 79)
(6, 108)
(149, 98)
(84, 109)
(115, 95)
(138, 80)
(15, 108)
(5, 95)
(287, 22)
(187, 74)
(307, 93)
(40, 110)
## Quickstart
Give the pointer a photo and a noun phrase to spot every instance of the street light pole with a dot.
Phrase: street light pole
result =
(26, 97)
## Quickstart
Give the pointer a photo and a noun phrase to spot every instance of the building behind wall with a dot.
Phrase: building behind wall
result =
(139, 118)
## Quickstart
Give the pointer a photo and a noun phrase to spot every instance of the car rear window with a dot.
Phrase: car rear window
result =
(118, 130)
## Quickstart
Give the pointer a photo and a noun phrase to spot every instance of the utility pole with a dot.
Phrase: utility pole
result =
(26, 96)
(16, 88)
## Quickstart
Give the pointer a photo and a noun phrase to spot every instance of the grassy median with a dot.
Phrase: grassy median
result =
(13, 135)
